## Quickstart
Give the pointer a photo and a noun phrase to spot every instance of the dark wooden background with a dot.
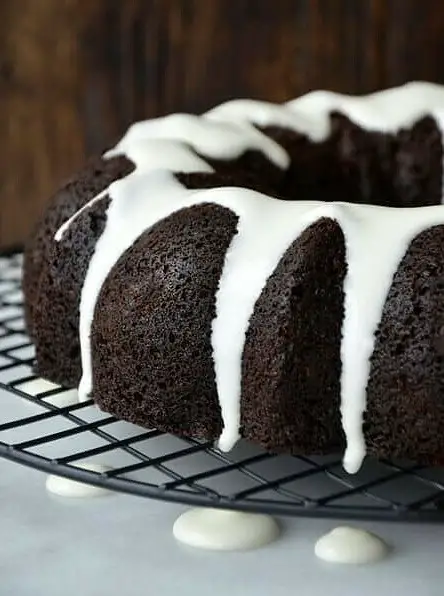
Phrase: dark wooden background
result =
(74, 73)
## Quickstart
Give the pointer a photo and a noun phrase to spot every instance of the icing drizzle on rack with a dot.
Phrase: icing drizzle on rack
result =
(376, 238)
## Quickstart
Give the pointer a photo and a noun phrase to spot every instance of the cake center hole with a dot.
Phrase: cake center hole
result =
(355, 165)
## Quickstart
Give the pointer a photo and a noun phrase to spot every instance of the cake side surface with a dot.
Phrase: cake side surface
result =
(151, 336)
(291, 363)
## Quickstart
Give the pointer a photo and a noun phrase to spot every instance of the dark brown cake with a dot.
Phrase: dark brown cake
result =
(152, 349)
(405, 407)
(183, 396)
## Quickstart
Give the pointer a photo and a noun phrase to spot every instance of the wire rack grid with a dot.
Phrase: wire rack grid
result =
(45, 427)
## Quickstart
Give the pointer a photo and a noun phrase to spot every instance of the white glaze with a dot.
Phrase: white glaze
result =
(385, 111)
(263, 114)
(218, 529)
(158, 154)
(213, 139)
(376, 238)
(67, 224)
(352, 546)
(64, 487)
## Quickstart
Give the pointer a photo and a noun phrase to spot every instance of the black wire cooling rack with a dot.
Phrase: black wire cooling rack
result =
(43, 426)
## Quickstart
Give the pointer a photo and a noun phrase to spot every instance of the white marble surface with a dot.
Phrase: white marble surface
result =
(123, 545)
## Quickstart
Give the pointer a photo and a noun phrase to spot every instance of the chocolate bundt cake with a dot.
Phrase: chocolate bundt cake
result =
(268, 271)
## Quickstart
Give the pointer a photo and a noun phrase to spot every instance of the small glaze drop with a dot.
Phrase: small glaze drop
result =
(218, 529)
(352, 546)
(64, 487)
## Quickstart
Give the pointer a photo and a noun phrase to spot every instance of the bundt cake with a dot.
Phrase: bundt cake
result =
(268, 271)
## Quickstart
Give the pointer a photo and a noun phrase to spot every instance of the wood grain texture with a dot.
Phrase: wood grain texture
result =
(415, 40)
(74, 74)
